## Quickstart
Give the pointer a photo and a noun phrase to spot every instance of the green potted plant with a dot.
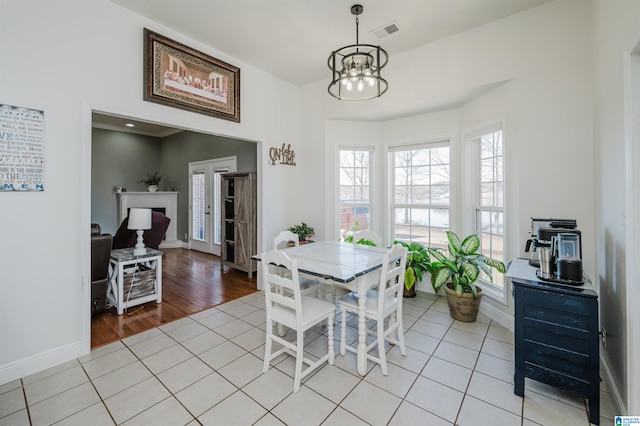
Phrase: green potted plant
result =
(152, 181)
(458, 274)
(418, 262)
(303, 230)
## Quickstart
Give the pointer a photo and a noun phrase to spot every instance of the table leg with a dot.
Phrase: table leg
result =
(120, 284)
(362, 329)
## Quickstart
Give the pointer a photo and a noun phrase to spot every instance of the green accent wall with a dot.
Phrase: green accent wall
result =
(122, 159)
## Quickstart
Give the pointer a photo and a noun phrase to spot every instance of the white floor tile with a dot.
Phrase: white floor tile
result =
(495, 392)
(121, 379)
(436, 398)
(203, 342)
(221, 355)
(232, 329)
(151, 346)
(11, 402)
(237, 409)
(457, 354)
(166, 358)
(243, 370)
(414, 360)
(495, 367)
(447, 373)
(304, 408)
(500, 349)
(475, 412)
(268, 420)
(19, 418)
(548, 411)
(370, 403)
(95, 415)
(341, 417)
(407, 414)
(184, 374)
(270, 388)
(250, 339)
(430, 328)
(421, 342)
(167, 412)
(55, 384)
(464, 338)
(108, 363)
(397, 382)
(216, 320)
(136, 399)
(187, 331)
(63, 405)
(333, 382)
(205, 393)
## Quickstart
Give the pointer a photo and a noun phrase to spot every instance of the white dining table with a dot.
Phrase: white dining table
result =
(351, 266)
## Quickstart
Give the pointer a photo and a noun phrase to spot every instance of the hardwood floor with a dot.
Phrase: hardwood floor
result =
(191, 282)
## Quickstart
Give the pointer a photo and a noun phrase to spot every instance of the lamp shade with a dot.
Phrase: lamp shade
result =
(139, 219)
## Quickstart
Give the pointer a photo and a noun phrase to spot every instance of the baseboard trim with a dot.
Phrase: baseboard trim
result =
(36, 363)
(497, 315)
(616, 398)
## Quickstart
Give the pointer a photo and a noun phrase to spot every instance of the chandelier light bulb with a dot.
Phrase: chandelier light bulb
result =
(349, 85)
(360, 85)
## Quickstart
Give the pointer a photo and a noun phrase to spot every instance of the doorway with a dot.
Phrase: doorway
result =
(179, 262)
(204, 203)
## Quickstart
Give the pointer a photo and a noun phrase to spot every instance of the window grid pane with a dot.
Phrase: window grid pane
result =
(354, 190)
(421, 193)
(490, 214)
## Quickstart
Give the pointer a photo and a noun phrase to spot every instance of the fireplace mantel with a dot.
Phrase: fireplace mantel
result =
(160, 199)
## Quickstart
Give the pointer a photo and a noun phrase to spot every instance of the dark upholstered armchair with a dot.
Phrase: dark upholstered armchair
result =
(125, 238)
(100, 252)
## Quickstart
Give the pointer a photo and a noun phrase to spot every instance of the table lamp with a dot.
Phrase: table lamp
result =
(139, 219)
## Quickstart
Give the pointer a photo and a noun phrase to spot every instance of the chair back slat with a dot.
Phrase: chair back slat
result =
(278, 287)
(392, 275)
(369, 235)
(281, 240)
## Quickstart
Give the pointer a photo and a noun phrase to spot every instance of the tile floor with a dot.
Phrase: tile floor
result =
(207, 369)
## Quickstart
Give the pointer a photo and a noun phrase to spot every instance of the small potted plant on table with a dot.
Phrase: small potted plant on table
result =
(152, 181)
(458, 273)
(303, 230)
(418, 262)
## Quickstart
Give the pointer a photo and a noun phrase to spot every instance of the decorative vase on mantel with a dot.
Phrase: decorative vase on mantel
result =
(152, 188)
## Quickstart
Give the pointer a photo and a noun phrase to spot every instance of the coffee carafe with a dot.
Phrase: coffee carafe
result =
(567, 251)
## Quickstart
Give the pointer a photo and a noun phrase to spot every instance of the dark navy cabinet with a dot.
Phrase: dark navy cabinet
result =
(556, 335)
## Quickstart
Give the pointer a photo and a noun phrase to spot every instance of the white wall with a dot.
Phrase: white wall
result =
(533, 70)
(616, 32)
(67, 57)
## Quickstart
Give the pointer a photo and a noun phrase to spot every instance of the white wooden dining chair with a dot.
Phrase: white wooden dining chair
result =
(293, 310)
(381, 303)
(307, 285)
(367, 235)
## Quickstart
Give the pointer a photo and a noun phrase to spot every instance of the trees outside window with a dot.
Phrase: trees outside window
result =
(421, 193)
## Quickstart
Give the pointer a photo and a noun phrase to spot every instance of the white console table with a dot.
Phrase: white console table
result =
(134, 280)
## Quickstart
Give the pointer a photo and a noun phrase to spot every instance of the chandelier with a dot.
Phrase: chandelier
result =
(355, 69)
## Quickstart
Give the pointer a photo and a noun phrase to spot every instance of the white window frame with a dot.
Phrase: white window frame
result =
(472, 185)
(436, 143)
(371, 204)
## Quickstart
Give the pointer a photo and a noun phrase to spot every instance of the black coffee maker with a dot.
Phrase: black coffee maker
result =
(542, 230)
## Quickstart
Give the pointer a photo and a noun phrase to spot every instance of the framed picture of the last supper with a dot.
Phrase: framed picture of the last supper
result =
(179, 76)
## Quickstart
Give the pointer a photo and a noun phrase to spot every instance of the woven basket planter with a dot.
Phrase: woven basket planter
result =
(464, 308)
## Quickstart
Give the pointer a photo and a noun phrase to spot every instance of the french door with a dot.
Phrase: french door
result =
(204, 203)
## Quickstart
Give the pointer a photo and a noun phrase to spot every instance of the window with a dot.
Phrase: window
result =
(355, 189)
(489, 203)
(421, 193)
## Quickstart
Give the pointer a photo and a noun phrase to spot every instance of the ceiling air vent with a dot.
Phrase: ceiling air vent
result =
(385, 30)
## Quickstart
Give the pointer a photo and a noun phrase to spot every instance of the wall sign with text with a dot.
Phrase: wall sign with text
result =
(21, 149)
(284, 155)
